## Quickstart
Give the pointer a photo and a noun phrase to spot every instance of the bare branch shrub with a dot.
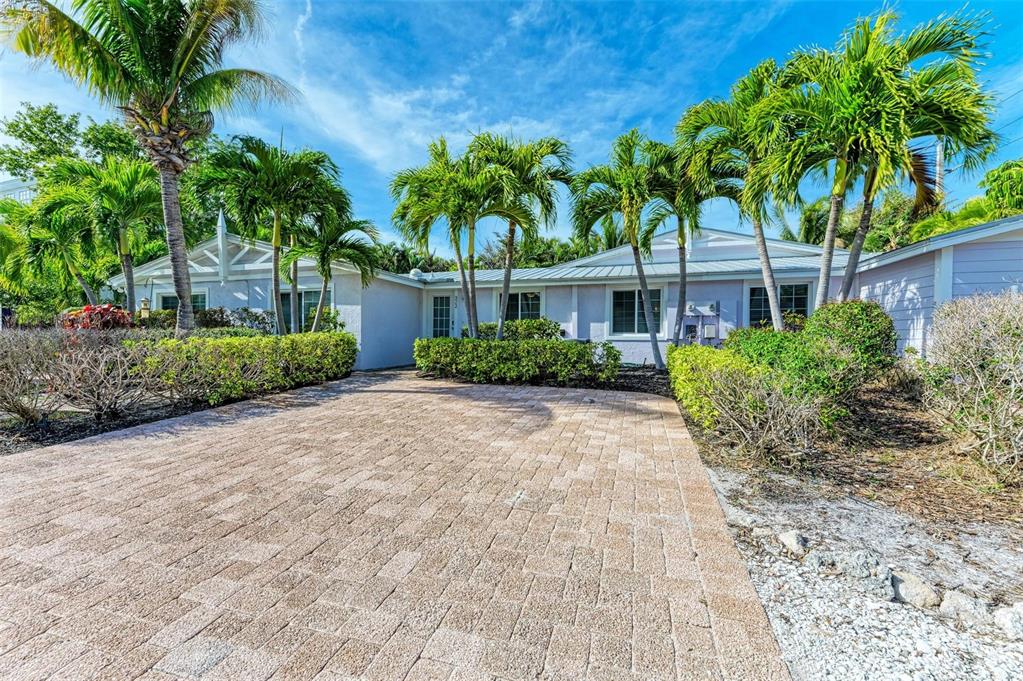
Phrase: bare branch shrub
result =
(762, 418)
(976, 379)
(102, 373)
(26, 361)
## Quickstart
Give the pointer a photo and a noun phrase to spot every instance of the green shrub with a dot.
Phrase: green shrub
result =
(809, 364)
(522, 361)
(213, 318)
(861, 328)
(158, 319)
(750, 406)
(227, 332)
(520, 329)
(216, 370)
(691, 370)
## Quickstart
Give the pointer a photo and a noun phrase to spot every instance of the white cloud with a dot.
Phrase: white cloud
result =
(526, 15)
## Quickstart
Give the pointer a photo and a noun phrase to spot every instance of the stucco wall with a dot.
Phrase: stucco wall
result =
(987, 267)
(905, 289)
(391, 317)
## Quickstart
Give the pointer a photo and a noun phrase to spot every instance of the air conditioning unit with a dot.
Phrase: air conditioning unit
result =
(710, 331)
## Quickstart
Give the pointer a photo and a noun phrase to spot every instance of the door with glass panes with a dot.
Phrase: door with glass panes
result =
(442, 317)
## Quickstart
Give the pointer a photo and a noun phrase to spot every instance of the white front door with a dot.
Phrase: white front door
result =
(442, 317)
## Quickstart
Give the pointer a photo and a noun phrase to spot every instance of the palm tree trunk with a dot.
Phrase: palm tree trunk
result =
(680, 310)
(90, 295)
(506, 284)
(828, 254)
(176, 247)
(320, 305)
(648, 313)
(474, 323)
(296, 326)
(465, 287)
(127, 269)
(275, 275)
(857, 247)
(768, 273)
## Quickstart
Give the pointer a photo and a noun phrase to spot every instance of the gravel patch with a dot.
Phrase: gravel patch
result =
(831, 625)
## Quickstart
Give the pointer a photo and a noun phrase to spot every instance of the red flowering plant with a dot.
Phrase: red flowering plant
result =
(99, 317)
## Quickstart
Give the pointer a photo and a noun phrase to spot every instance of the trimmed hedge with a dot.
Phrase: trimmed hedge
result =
(523, 361)
(216, 370)
(692, 370)
(520, 329)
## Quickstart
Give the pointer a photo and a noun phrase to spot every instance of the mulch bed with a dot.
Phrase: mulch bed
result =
(68, 426)
(640, 379)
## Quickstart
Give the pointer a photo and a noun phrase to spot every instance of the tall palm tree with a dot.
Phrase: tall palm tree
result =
(536, 168)
(942, 99)
(331, 235)
(161, 63)
(680, 190)
(122, 199)
(462, 191)
(50, 231)
(851, 108)
(261, 182)
(739, 134)
(622, 188)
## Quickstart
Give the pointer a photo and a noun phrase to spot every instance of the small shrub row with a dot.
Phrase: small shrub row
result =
(520, 329)
(521, 361)
(109, 373)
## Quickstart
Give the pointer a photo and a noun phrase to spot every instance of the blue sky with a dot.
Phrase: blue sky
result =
(381, 79)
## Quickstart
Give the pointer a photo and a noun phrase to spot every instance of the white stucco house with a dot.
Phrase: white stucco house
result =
(596, 298)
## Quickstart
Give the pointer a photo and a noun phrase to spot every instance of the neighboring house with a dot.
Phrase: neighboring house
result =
(19, 190)
(596, 298)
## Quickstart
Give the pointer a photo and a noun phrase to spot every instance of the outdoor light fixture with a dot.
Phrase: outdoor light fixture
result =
(144, 308)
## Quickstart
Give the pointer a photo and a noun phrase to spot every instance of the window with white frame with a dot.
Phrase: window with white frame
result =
(308, 300)
(523, 305)
(627, 312)
(791, 298)
(169, 301)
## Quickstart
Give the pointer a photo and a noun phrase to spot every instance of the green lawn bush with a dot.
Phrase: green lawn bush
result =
(810, 364)
(750, 406)
(861, 328)
(692, 370)
(520, 361)
(216, 370)
(520, 329)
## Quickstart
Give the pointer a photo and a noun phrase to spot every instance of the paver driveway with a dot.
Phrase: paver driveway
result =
(383, 527)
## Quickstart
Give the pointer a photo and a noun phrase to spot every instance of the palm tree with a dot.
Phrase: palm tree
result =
(680, 191)
(161, 63)
(845, 108)
(942, 100)
(623, 188)
(461, 191)
(120, 196)
(738, 135)
(536, 168)
(261, 182)
(50, 231)
(331, 235)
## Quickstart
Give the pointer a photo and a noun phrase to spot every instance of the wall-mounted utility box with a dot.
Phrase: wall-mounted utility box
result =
(708, 308)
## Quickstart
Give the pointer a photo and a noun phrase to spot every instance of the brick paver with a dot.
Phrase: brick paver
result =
(382, 527)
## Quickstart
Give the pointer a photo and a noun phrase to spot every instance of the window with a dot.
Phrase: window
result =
(308, 300)
(441, 316)
(169, 301)
(523, 306)
(791, 298)
(627, 314)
